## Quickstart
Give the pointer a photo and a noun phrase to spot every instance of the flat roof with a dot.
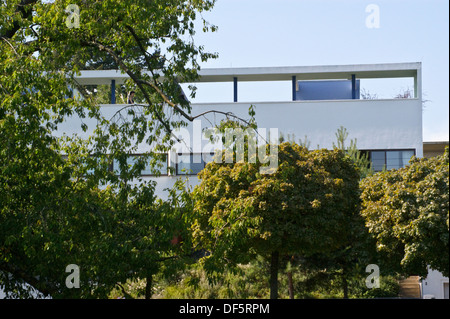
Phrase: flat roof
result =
(311, 72)
(368, 71)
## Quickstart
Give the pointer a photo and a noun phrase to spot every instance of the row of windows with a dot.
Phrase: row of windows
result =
(193, 163)
(389, 159)
(148, 170)
(188, 164)
(381, 159)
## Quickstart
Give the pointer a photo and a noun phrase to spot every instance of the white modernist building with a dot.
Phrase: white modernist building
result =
(322, 99)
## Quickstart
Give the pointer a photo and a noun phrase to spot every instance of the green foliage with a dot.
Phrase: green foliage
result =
(360, 159)
(250, 281)
(389, 288)
(326, 283)
(245, 282)
(59, 202)
(407, 213)
(111, 238)
(303, 208)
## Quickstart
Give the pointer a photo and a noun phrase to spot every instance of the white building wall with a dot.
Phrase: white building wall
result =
(376, 124)
(434, 284)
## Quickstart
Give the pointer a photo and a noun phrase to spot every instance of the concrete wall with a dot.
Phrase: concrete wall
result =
(433, 285)
(376, 124)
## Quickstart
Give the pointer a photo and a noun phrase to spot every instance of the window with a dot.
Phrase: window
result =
(98, 162)
(378, 159)
(327, 90)
(398, 159)
(192, 164)
(390, 159)
(148, 170)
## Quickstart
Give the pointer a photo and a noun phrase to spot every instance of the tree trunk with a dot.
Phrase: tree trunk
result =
(148, 287)
(345, 284)
(291, 285)
(291, 282)
(274, 275)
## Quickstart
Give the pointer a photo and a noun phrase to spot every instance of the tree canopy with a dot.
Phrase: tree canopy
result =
(60, 203)
(303, 208)
(407, 213)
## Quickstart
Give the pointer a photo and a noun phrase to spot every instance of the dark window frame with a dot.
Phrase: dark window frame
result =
(369, 151)
(147, 175)
(191, 154)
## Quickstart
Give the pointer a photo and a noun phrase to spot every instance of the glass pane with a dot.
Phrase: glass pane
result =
(398, 159)
(378, 160)
(407, 156)
(116, 165)
(148, 170)
(197, 163)
(196, 158)
(191, 163)
(184, 163)
(131, 160)
(394, 159)
(378, 155)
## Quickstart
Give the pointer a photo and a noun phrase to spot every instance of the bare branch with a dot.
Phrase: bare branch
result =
(167, 100)
(133, 76)
(12, 47)
(138, 41)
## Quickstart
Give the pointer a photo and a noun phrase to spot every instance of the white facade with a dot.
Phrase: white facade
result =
(381, 125)
(378, 125)
(435, 286)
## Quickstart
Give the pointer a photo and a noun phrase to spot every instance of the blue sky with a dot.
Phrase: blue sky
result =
(257, 33)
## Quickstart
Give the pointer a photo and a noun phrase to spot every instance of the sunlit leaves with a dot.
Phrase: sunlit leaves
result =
(407, 212)
(303, 208)
(60, 203)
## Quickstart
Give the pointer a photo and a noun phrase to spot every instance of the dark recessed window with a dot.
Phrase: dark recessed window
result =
(148, 170)
(378, 160)
(390, 159)
(398, 159)
(192, 164)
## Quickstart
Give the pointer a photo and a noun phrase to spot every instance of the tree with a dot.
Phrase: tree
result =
(407, 213)
(55, 206)
(157, 53)
(303, 208)
(360, 159)
(348, 261)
